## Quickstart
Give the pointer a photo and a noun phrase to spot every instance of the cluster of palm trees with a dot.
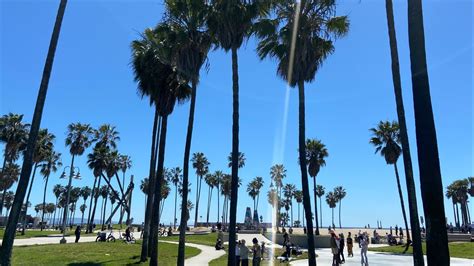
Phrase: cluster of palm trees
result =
(300, 35)
(459, 192)
(103, 159)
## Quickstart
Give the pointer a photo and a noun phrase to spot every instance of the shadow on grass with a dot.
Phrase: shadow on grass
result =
(85, 264)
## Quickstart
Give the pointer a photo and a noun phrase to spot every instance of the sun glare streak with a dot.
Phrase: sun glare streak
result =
(279, 146)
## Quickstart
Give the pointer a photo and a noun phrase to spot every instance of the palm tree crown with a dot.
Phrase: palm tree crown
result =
(386, 139)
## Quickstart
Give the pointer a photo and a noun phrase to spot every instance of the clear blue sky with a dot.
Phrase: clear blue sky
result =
(92, 82)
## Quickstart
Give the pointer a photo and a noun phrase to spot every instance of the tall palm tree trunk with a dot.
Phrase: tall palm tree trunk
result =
(299, 217)
(149, 203)
(156, 202)
(68, 198)
(218, 202)
(44, 201)
(402, 203)
(340, 226)
(304, 174)
(175, 203)
(91, 222)
(454, 214)
(9, 234)
(28, 197)
(407, 162)
(187, 150)
(321, 211)
(428, 158)
(332, 210)
(88, 229)
(198, 195)
(208, 205)
(315, 206)
(55, 209)
(457, 215)
(2, 201)
(235, 158)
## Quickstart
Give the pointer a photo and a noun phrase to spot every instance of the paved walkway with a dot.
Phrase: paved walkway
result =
(207, 254)
(375, 258)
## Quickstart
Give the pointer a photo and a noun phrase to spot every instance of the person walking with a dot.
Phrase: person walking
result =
(364, 245)
(341, 248)
(244, 253)
(237, 253)
(350, 244)
(77, 233)
(334, 248)
(257, 254)
(396, 230)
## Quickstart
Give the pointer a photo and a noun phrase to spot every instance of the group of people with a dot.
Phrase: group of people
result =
(338, 243)
(241, 250)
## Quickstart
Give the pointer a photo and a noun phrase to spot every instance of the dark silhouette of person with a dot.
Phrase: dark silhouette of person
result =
(77, 233)
(128, 237)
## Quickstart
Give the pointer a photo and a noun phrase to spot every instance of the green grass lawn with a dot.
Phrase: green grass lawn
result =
(208, 239)
(93, 253)
(456, 249)
(38, 233)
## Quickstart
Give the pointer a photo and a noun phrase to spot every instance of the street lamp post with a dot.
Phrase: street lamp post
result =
(71, 175)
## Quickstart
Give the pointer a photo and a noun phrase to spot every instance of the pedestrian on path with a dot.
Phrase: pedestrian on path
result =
(334, 248)
(364, 245)
(244, 253)
(256, 253)
(237, 253)
(350, 244)
(77, 233)
(341, 248)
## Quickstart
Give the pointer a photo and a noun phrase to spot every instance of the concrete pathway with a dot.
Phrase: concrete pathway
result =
(207, 254)
(375, 258)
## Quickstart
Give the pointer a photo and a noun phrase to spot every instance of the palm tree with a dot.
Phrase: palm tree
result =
(9, 176)
(428, 158)
(299, 198)
(210, 181)
(316, 153)
(339, 193)
(50, 165)
(75, 195)
(97, 162)
(319, 193)
(241, 160)
(57, 191)
(78, 139)
(301, 43)
(386, 139)
(8, 201)
(231, 23)
(201, 165)
(274, 200)
(412, 202)
(331, 200)
(125, 164)
(252, 191)
(14, 135)
(176, 178)
(219, 175)
(289, 192)
(166, 88)
(44, 146)
(144, 187)
(192, 42)
(104, 193)
(82, 208)
(165, 191)
(451, 194)
(277, 174)
(85, 194)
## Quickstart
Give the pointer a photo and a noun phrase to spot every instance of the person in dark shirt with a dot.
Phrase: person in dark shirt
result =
(349, 245)
(341, 248)
(77, 233)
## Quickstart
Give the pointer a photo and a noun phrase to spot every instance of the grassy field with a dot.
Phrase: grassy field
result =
(456, 249)
(208, 240)
(223, 259)
(38, 233)
(93, 253)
